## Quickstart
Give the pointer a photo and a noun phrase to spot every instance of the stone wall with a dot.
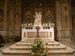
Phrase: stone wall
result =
(73, 22)
(10, 12)
(15, 12)
(63, 19)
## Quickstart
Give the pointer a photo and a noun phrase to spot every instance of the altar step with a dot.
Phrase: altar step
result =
(29, 44)
(24, 49)
(15, 47)
(30, 40)
(27, 52)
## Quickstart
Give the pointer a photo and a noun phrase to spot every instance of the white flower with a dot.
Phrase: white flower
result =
(32, 53)
(35, 44)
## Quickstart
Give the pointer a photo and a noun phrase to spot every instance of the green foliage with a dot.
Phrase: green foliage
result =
(52, 24)
(49, 24)
(38, 47)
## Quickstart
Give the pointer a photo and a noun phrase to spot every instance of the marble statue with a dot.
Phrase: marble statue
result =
(38, 17)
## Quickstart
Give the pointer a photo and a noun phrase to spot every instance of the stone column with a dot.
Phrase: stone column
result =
(12, 5)
(18, 16)
(58, 17)
(5, 15)
(70, 19)
(11, 19)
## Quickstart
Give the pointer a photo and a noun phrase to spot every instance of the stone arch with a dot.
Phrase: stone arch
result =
(17, 19)
(28, 17)
(48, 16)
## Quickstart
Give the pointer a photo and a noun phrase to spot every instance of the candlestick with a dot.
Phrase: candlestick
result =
(46, 49)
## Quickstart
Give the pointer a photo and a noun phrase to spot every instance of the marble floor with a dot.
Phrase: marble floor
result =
(69, 43)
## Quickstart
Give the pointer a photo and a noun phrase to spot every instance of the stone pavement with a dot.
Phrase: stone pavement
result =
(5, 46)
(69, 43)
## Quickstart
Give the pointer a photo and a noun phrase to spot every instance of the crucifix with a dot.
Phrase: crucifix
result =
(37, 28)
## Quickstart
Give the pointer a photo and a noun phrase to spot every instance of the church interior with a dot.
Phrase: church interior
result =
(17, 20)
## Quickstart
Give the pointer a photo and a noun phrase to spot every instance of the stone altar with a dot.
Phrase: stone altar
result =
(44, 32)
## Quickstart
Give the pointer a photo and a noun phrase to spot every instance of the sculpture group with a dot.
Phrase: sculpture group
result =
(38, 17)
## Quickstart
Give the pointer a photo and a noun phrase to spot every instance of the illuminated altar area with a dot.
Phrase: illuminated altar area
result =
(38, 31)
(44, 32)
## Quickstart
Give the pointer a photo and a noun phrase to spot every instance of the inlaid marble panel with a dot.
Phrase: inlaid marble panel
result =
(58, 15)
(31, 34)
(41, 34)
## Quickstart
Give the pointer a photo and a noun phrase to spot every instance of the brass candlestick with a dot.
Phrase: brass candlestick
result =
(46, 49)
(37, 28)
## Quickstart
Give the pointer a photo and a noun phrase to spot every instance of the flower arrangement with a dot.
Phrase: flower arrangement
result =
(38, 48)
(26, 24)
(45, 24)
(52, 25)
(49, 24)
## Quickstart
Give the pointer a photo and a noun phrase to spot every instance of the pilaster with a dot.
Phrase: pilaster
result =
(5, 14)
(58, 17)
(66, 25)
(18, 16)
